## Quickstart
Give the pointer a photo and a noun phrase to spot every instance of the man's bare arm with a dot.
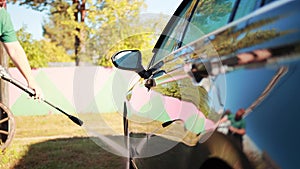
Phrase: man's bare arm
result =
(19, 58)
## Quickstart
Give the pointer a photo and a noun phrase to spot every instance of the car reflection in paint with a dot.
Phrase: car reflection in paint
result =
(250, 61)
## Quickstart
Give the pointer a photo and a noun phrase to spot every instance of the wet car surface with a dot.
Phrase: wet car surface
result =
(239, 55)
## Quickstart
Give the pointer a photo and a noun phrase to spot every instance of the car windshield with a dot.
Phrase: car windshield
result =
(195, 19)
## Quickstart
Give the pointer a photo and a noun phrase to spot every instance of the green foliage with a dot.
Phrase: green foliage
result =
(60, 28)
(215, 9)
(41, 52)
(118, 26)
(212, 14)
(107, 27)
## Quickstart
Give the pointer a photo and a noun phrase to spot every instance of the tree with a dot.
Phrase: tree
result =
(63, 7)
(41, 52)
(94, 30)
(119, 25)
(212, 14)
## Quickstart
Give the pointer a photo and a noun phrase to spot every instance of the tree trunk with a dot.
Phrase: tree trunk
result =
(82, 17)
(77, 40)
(80, 6)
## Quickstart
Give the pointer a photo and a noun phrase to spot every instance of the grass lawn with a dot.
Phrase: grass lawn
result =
(53, 141)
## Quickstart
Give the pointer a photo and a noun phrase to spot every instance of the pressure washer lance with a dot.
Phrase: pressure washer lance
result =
(6, 76)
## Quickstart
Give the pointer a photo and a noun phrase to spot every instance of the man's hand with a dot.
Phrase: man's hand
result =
(237, 131)
(38, 92)
(232, 129)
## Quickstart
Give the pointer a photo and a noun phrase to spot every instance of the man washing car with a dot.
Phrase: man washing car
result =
(15, 50)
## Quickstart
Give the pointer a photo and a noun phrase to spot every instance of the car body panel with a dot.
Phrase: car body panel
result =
(251, 63)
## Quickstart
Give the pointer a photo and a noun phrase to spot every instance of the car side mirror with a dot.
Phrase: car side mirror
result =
(130, 60)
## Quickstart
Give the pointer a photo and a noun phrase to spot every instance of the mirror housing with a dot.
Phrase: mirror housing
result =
(130, 60)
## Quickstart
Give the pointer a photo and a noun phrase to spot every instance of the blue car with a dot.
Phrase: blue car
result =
(221, 89)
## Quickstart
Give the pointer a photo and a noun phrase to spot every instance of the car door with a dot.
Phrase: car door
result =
(180, 100)
(198, 70)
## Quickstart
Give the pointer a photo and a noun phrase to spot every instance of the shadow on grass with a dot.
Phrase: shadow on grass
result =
(75, 153)
(82, 153)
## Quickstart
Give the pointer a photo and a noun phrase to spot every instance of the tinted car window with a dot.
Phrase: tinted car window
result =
(195, 20)
(269, 1)
(209, 16)
(172, 38)
(245, 7)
